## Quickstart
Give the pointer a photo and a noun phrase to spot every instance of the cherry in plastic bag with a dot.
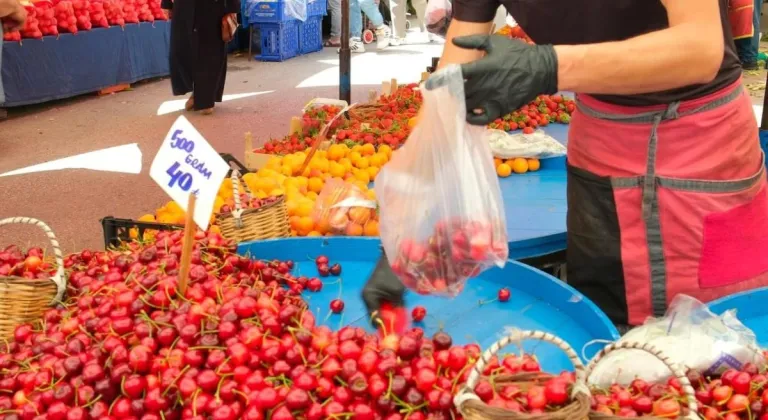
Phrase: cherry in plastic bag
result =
(441, 214)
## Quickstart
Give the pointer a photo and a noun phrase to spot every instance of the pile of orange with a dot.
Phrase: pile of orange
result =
(505, 168)
(357, 165)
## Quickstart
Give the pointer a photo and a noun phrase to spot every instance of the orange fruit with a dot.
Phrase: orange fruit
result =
(294, 222)
(304, 208)
(384, 148)
(354, 156)
(323, 226)
(314, 233)
(534, 165)
(371, 228)
(353, 229)
(497, 162)
(315, 184)
(305, 225)
(367, 149)
(363, 163)
(372, 172)
(520, 165)
(359, 215)
(363, 176)
(291, 206)
(336, 170)
(503, 170)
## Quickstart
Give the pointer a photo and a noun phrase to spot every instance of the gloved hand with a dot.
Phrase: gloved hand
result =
(382, 286)
(511, 74)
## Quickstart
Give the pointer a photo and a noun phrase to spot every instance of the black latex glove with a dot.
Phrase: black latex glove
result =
(511, 74)
(382, 286)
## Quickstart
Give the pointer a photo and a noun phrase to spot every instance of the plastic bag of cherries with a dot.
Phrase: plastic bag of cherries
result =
(441, 213)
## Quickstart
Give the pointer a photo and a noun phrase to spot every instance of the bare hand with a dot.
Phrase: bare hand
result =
(168, 13)
(15, 20)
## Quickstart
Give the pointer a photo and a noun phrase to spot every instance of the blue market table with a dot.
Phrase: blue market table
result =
(538, 301)
(535, 205)
(36, 71)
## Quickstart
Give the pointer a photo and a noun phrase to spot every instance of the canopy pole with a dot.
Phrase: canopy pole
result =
(345, 72)
(764, 120)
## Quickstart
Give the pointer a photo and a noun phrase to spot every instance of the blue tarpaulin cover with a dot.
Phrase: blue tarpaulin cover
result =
(36, 71)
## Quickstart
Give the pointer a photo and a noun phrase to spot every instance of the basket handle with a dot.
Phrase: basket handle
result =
(238, 211)
(685, 384)
(58, 278)
(468, 393)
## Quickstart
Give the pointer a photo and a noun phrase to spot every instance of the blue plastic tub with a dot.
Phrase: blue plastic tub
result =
(311, 35)
(538, 301)
(750, 309)
(267, 12)
(279, 41)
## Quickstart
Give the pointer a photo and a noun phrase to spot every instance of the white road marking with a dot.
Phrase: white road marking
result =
(176, 105)
(121, 159)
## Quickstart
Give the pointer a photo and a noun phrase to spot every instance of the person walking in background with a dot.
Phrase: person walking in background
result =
(198, 55)
(744, 17)
(371, 9)
(399, 9)
(334, 9)
(13, 15)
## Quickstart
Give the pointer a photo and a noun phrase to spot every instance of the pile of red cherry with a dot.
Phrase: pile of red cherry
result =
(248, 203)
(456, 251)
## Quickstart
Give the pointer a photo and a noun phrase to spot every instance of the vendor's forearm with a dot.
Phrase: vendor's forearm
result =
(455, 55)
(687, 53)
(7, 7)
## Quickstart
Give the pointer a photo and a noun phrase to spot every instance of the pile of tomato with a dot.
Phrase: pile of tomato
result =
(541, 112)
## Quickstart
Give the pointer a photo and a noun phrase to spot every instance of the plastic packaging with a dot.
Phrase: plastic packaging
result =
(535, 145)
(691, 335)
(441, 213)
(343, 209)
(296, 9)
(438, 16)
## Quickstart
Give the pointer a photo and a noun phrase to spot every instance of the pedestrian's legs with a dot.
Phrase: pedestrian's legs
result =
(421, 13)
(756, 28)
(355, 19)
(334, 8)
(399, 15)
(371, 10)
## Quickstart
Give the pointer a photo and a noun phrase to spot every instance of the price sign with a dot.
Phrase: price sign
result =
(187, 164)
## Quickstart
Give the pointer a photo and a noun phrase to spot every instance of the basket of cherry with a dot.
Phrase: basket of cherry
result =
(528, 395)
(253, 218)
(27, 288)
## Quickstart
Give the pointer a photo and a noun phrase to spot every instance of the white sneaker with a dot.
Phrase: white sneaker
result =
(383, 36)
(356, 46)
(395, 42)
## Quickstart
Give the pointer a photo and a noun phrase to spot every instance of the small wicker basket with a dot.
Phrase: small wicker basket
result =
(24, 300)
(685, 384)
(472, 408)
(242, 225)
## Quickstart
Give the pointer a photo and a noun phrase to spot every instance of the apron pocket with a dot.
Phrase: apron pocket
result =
(593, 255)
(734, 243)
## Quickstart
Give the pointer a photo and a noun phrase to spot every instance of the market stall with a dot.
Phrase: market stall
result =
(57, 67)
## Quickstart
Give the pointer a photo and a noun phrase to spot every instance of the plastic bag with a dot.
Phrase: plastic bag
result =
(342, 208)
(438, 16)
(296, 9)
(691, 335)
(535, 145)
(442, 218)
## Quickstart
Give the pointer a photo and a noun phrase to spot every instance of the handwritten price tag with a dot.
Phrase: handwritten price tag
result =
(187, 164)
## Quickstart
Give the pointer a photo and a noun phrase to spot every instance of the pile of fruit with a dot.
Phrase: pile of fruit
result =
(505, 168)
(541, 112)
(70, 16)
(514, 32)
(239, 344)
(387, 123)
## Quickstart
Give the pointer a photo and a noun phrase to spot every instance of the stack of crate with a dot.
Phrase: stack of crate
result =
(282, 36)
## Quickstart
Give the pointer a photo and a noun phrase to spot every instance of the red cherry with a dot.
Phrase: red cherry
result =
(337, 306)
(504, 294)
(418, 313)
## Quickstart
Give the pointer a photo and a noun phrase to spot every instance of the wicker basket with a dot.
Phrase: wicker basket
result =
(685, 384)
(243, 225)
(24, 300)
(472, 408)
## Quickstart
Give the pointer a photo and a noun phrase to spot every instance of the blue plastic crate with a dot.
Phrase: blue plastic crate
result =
(266, 11)
(279, 41)
(317, 7)
(311, 35)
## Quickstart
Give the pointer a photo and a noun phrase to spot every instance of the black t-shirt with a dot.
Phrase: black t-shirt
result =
(571, 22)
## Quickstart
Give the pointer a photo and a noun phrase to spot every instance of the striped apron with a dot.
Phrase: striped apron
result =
(665, 200)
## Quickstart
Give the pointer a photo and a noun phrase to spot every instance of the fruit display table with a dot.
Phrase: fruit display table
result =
(537, 300)
(36, 71)
(535, 205)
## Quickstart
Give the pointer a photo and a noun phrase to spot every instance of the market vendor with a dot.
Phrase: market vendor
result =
(666, 182)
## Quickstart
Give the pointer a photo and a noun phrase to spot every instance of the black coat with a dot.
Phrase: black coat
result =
(198, 57)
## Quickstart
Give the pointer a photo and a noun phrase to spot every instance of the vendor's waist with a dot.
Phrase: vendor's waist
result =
(658, 100)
